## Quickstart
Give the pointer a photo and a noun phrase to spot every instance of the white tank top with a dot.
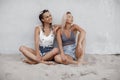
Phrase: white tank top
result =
(46, 41)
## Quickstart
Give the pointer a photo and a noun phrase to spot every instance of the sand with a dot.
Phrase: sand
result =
(99, 67)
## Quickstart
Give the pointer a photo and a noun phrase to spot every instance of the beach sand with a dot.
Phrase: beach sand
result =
(99, 67)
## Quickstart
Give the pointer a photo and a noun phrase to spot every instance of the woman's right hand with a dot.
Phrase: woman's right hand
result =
(56, 27)
(63, 58)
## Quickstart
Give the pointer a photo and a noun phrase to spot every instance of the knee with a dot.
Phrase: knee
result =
(79, 50)
(58, 59)
(21, 48)
(79, 54)
(55, 51)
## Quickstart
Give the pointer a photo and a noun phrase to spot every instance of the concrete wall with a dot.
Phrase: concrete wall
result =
(100, 19)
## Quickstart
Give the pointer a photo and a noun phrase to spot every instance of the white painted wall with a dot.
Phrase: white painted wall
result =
(100, 19)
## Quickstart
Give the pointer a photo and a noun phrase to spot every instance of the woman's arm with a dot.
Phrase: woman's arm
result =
(82, 33)
(36, 38)
(59, 40)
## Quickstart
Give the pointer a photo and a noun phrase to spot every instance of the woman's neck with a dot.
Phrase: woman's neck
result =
(46, 26)
(67, 26)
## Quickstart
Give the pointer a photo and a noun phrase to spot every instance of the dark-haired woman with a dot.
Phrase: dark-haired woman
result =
(44, 37)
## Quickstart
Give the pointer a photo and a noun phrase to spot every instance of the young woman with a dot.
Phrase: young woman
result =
(44, 37)
(70, 51)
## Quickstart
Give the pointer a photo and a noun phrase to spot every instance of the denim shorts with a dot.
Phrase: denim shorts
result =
(44, 50)
(70, 50)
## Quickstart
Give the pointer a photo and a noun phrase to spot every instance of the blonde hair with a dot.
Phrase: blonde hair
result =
(64, 18)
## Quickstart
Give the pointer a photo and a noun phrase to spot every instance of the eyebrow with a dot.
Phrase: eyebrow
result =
(48, 15)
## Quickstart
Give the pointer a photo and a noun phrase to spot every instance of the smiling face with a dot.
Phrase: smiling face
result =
(47, 17)
(69, 18)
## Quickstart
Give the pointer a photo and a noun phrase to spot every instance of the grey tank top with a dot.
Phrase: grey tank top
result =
(68, 41)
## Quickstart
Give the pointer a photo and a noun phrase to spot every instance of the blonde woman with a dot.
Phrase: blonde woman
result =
(44, 37)
(70, 51)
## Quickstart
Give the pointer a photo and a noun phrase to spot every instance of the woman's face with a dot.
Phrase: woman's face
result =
(47, 17)
(69, 18)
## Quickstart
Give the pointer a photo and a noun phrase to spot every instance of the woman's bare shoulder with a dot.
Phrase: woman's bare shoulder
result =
(37, 28)
(75, 25)
(60, 30)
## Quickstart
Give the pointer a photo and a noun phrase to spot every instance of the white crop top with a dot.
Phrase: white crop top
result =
(46, 41)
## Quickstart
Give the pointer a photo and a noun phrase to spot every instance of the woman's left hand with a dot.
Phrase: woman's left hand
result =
(56, 27)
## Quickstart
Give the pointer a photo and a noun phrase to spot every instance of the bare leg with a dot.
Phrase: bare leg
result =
(69, 60)
(29, 53)
(80, 52)
(29, 61)
(50, 55)
(83, 48)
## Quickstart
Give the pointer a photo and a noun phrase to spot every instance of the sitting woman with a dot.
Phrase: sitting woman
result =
(44, 37)
(70, 51)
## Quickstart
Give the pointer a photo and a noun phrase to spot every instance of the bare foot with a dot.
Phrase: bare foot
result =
(74, 64)
(29, 61)
(48, 62)
(82, 62)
